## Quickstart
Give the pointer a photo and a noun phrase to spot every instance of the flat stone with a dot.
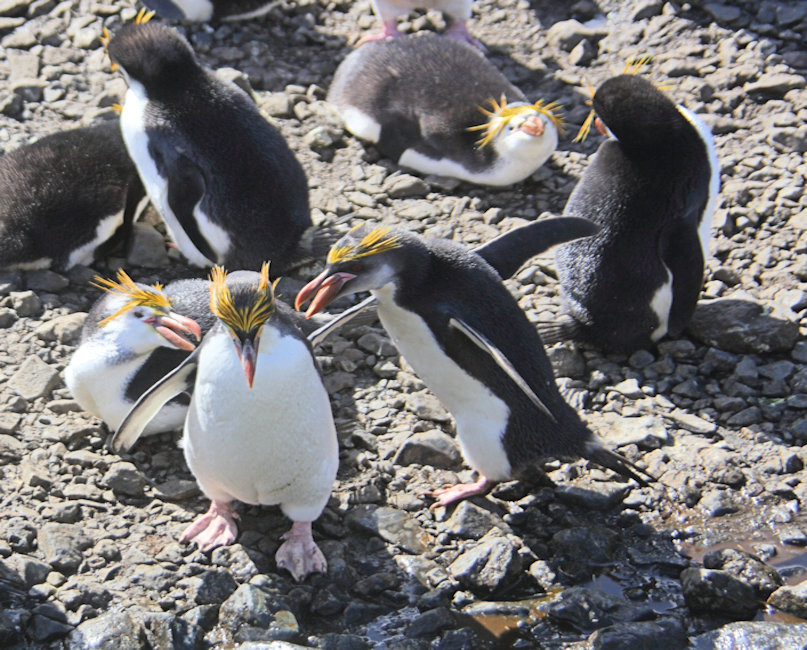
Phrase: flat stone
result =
(393, 525)
(647, 431)
(590, 609)
(595, 495)
(252, 615)
(63, 545)
(691, 422)
(586, 545)
(775, 85)
(177, 489)
(565, 34)
(791, 599)
(26, 570)
(34, 378)
(710, 590)
(13, 8)
(723, 13)
(469, 521)
(427, 406)
(431, 623)
(64, 329)
(432, 447)
(114, 630)
(210, 587)
(11, 449)
(759, 635)
(489, 566)
(667, 633)
(124, 478)
(746, 567)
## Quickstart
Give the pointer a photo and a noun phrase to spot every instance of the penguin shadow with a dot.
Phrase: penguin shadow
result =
(549, 12)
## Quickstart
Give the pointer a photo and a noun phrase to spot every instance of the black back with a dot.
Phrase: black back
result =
(54, 193)
(425, 91)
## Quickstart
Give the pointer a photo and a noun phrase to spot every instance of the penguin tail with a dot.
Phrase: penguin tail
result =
(618, 464)
(563, 328)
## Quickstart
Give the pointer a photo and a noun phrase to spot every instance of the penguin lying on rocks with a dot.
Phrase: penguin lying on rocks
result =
(424, 100)
(449, 314)
(223, 179)
(259, 427)
(67, 198)
(388, 11)
(652, 188)
(211, 10)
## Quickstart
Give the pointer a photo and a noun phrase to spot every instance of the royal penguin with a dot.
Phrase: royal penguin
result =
(223, 179)
(134, 335)
(437, 106)
(388, 12)
(449, 314)
(210, 10)
(259, 427)
(67, 198)
(652, 188)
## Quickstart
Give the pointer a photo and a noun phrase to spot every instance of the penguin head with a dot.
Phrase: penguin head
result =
(243, 303)
(153, 55)
(520, 130)
(364, 259)
(139, 317)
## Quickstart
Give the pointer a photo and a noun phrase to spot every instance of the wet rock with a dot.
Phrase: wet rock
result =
(211, 587)
(430, 623)
(791, 599)
(589, 609)
(746, 567)
(432, 447)
(667, 633)
(469, 521)
(124, 478)
(393, 525)
(741, 326)
(34, 379)
(63, 545)
(252, 615)
(114, 630)
(587, 545)
(595, 495)
(711, 590)
(491, 565)
(169, 631)
(759, 635)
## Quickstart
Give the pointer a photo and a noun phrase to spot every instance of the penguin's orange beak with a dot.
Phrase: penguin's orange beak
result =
(533, 126)
(324, 288)
(176, 329)
(248, 355)
(600, 126)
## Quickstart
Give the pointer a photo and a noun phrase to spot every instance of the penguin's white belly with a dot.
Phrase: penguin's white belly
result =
(660, 305)
(480, 415)
(272, 444)
(133, 127)
(105, 229)
(388, 9)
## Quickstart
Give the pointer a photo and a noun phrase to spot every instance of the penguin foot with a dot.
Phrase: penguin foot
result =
(449, 494)
(299, 554)
(390, 30)
(459, 31)
(215, 528)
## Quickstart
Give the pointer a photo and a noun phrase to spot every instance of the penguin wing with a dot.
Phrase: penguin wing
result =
(320, 334)
(502, 361)
(180, 380)
(680, 250)
(509, 251)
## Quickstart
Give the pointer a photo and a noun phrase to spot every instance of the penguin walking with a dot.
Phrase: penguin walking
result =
(223, 179)
(211, 10)
(652, 188)
(67, 198)
(449, 314)
(259, 427)
(424, 101)
(388, 11)
(134, 335)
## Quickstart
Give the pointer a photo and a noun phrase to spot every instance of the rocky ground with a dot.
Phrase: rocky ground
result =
(709, 556)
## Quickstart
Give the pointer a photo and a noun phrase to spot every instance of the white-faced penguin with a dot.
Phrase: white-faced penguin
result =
(435, 105)
(449, 314)
(67, 198)
(223, 179)
(652, 188)
(210, 10)
(259, 426)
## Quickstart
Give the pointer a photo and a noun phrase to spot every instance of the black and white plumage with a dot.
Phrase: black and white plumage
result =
(388, 11)
(67, 198)
(449, 314)
(210, 10)
(419, 100)
(259, 427)
(652, 187)
(223, 179)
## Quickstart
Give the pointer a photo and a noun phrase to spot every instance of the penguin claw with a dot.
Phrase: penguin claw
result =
(299, 554)
(215, 528)
(449, 494)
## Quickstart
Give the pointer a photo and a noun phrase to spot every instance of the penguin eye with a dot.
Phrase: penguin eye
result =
(358, 266)
(138, 313)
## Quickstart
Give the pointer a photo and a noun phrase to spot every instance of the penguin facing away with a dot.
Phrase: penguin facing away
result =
(449, 314)
(259, 427)
(424, 101)
(210, 10)
(652, 188)
(223, 179)
(133, 336)
(67, 198)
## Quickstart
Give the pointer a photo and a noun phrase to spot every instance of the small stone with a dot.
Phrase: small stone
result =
(147, 247)
(11, 449)
(114, 630)
(583, 53)
(645, 430)
(565, 34)
(759, 635)
(645, 9)
(29, 570)
(491, 565)
(25, 303)
(718, 591)
(469, 521)
(662, 633)
(64, 329)
(431, 623)
(427, 406)
(432, 447)
(393, 525)
(723, 13)
(567, 361)
(629, 388)
(692, 422)
(63, 545)
(775, 85)
(746, 567)
(404, 186)
(125, 478)
(589, 609)
(34, 378)
(791, 599)
(46, 280)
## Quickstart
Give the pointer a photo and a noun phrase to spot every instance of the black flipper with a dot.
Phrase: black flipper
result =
(619, 464)
(180, 380)
(365, 307)
(682, 254)
(509, 251)
(563, 328)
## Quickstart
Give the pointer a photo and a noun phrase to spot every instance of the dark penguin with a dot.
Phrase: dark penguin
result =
(210, 10)
(652, 187)
(439, 107)
(223, 179)
(259, 427)
(67, 198)
(452, 318)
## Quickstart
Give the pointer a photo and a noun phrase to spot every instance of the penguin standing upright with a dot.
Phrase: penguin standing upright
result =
(424, 100)
(211, 10)
(67, 198)
(652, 187)
(449, 314)
(259, 426)
(223, 179)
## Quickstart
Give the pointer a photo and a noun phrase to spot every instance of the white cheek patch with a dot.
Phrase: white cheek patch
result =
(360, 124)
(198, 10)
(660, 304)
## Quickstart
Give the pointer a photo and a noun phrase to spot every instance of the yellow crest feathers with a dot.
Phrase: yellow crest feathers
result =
(635, 66)
(136, 296)
(379, 240)
(500, 114)
(585, 128)
(143, 17)
(244, 318)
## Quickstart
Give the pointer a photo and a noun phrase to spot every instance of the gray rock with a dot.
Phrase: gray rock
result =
(710, 590)
(645, 9)
(791, 599)
(44, 628)
(46, 280)
(585, 545)
(595, 495)
(741, 326)
(165, 630)
(432, 447)
(29, 571)
(647, 431)
(692, 422)
(25, 303)
(431, 623)
(403, 186)
(723, 13)
(11, 449)
(567, 361)
(759, 635)
(491, 565)
(63, 545)
(667, 633)
(469, 521)
(114, 630)
(717, 503)
(13, 8)
(589, 609)
(34, 378)
(252, 615)
(210, 587)
(565, 34)
(583, 53)
(147, 247)
(775, 85)
(7, 317)
(427, 406)
(124, 478)
(64, 329)
(393, 525)
(746, 567)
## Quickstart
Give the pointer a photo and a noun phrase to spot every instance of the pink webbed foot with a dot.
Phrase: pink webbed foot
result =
(390, 30)
(449, 494)
(215, 528)
(459, 31)
(299, 554)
